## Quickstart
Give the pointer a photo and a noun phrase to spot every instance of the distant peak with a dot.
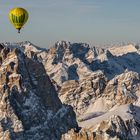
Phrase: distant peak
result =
(62, 43)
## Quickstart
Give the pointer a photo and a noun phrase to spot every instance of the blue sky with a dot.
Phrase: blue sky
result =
(91, 21)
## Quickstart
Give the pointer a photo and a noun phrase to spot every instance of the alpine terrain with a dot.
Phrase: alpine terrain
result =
(71, 91)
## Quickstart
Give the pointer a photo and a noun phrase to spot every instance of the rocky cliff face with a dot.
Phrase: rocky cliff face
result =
(29, 105)
(80, 94)
(101, 84)
(114, 128)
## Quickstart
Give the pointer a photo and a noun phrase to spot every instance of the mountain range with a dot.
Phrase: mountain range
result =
(71, 91)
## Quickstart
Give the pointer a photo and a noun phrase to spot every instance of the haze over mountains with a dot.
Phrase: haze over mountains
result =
(70, 92)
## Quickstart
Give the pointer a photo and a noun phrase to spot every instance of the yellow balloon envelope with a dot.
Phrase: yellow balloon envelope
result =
(18, 17)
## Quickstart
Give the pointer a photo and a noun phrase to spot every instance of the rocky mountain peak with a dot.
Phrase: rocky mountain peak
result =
(29, 105)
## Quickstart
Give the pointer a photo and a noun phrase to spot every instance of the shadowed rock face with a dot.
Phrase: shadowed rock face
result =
(29, 105)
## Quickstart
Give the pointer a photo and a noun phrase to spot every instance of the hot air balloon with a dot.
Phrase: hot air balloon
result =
(18, 17)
